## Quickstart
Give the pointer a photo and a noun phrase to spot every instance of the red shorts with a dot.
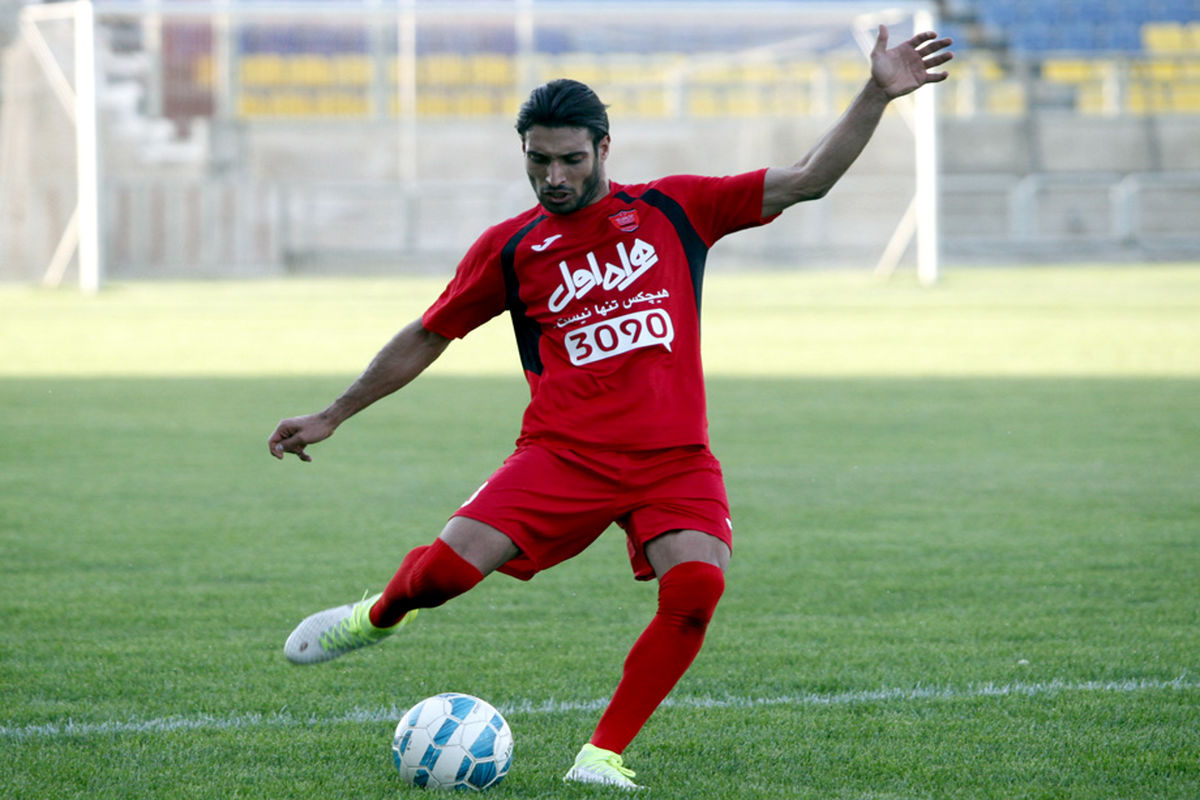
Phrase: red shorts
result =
(554, 502)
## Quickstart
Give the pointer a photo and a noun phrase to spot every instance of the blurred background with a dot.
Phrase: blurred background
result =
(152, 139)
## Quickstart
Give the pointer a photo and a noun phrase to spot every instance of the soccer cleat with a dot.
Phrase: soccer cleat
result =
(597, 765)
(336, 631)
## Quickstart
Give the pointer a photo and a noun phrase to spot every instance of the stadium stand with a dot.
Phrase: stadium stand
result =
(1094, 56)
(1064, 121)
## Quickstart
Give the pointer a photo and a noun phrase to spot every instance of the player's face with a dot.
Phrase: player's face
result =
(565, 170)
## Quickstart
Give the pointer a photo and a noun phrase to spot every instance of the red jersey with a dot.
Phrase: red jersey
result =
(605, 303)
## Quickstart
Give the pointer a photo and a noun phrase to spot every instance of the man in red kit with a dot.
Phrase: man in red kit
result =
(602, 281)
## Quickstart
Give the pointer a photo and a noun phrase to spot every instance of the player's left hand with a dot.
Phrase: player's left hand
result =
(906, 67)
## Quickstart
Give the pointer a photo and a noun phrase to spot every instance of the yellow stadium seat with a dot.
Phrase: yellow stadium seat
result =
(443, 69)
(287, 104)
(666, 65)
(1185, 98)
(1090, 100)
(1136, 101)
(351, 70)
(763, 73)
(704, 103)
(309, 70)
(714, 73)
(583, 67)
(250, 105)
(1148, 99)
(649, 103)
(1069, 70)
(986, 68)
(492, 69)
(434, 104)
(850, 70)
(1157, 69)
(471, 103)
(1165, 37)
(627, 68)
(266, 69)
(619, 98)
(745, 102)
(340, 104)
(1006, 98)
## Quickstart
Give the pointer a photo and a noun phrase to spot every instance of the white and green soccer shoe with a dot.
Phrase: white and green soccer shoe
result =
(337, 631)
(597, 765)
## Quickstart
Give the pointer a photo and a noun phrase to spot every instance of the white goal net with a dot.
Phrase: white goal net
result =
(146, 139)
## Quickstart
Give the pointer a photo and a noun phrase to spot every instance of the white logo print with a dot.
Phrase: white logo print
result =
(634, 263)
(549, 241)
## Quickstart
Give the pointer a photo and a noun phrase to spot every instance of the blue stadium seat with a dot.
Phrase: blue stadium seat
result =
(1172, 11)
(1000, 14)
(1031, 37)
(1076, 36)
(1094, 10)
(1128, 13)
(1121, 38)
(1042, 26)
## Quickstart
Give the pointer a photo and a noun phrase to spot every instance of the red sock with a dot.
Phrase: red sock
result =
(687, 597)
(429, 576)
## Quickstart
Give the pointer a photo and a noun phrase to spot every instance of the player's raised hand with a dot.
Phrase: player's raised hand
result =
(906, 67)
(294, 434)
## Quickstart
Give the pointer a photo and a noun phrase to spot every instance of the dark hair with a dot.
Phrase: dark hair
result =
(564, 103)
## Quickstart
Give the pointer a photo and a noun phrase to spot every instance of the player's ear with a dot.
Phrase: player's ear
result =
(602, 147)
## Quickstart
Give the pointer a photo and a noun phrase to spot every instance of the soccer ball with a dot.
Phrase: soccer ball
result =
(453, 741)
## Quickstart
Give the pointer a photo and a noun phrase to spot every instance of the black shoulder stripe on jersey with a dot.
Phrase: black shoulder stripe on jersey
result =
(528, 333)
(694, 248)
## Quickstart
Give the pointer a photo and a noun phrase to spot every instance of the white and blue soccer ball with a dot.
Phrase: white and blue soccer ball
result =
(453, 741)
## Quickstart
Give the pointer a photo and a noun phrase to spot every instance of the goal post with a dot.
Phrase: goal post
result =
(212, 164)
(81, 236)
(920, 219)
(87, 151)
(925, 131)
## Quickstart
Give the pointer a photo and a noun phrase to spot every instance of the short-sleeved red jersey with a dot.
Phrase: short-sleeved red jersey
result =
(605, 303)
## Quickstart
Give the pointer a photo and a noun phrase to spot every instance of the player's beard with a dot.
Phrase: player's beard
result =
(593, 185)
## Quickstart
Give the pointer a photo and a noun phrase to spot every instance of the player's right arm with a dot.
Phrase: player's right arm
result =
(403, 358)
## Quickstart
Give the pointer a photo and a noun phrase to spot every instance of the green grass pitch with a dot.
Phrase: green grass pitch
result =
(967, 554)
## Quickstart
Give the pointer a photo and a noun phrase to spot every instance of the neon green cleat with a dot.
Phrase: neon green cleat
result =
(597, 765)
(336, 631)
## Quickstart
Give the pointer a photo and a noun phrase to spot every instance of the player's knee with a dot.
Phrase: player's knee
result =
(690, 591)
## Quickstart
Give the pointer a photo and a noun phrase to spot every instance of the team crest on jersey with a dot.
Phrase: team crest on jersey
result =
(625, 221)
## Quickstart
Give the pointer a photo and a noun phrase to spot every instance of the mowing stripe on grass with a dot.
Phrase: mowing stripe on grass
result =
(286, 719)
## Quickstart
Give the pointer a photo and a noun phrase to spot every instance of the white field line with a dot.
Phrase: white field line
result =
(286, 719)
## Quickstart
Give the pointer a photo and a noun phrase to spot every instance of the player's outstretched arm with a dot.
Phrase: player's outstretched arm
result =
(403, 358)
(895, 72)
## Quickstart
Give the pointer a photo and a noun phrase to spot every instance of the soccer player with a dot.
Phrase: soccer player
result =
(602, 281)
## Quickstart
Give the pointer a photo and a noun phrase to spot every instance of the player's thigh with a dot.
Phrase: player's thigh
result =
(675, 547)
